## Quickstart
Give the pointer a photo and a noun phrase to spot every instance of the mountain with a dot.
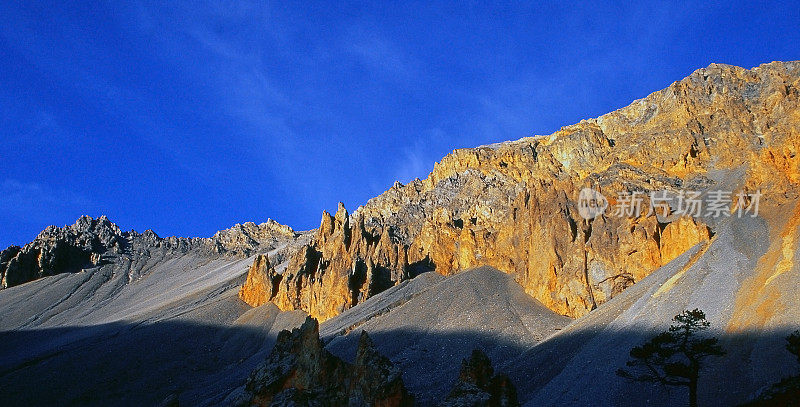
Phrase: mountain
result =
(92, 242)
(530, 252)
(428, 325)
(134, 317)
(743, 282)
(513, 205)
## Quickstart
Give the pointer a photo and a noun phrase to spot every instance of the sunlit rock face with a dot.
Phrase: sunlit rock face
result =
(513, 205)
(257, 289)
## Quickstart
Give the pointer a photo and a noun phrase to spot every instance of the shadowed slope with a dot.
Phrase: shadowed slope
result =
(134, 330)
(130, 364)
(577, 366)
(428, 325)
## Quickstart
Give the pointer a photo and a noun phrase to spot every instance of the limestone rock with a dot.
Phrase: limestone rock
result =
(512, 205)
(477, 386)
(57, 250)
(248, 237)
(90, 242)
(375, 380)
(343, 264)
(258, 289)
(299, 371)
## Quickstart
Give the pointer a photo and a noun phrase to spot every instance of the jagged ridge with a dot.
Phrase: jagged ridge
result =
(512, 205)
(300, 371)
(89, 242)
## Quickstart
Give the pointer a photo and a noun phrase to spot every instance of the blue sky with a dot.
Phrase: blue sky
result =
(189, 117)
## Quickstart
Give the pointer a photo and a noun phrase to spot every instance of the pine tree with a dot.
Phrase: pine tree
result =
(675, 357)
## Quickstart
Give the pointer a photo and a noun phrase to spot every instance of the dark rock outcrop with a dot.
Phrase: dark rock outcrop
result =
(375, 380)
(787, 391)
(61, 250)
(300, 371)
(784, 393)
(478, 386)
(90, 242)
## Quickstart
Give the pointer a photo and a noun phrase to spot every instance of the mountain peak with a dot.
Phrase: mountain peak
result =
(513, 205)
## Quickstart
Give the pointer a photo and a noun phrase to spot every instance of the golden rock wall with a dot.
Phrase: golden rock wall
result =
(512, 205)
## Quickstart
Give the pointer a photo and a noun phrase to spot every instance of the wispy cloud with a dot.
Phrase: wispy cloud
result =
(231, 38)
(28, 207)
(31, 197)
(418, 158)
(381, 55)
(42, 124)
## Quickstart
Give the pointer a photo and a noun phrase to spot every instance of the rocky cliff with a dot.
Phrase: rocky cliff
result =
(91, 242)
(514, 205)
(300, 371)
(124, 304)
(478, 386)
